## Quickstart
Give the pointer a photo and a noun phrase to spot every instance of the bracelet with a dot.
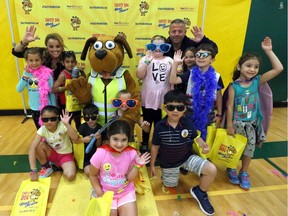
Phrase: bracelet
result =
(140, 165)
(137, 166)
(147, 62)
(24, 45)
(60, 89)
(218, 115)
(34, 170)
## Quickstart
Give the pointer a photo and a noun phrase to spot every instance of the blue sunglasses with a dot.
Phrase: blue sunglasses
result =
(164, 47)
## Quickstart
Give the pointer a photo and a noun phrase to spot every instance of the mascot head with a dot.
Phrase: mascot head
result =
(106, 53)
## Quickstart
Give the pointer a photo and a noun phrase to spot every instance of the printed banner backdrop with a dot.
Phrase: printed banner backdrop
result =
(77, 21)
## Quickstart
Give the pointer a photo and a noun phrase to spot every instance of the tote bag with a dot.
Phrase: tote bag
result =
(227, 150)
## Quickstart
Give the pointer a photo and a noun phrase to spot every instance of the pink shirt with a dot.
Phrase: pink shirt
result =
(113, 170)
(156, 82)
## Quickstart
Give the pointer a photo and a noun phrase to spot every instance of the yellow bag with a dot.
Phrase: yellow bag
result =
(32, 197)
(211, 131)
(78, 149)
(227, 150)
(100, 206)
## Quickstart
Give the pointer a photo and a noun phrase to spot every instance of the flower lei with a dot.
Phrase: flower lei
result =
(42, 74)
(203, 93)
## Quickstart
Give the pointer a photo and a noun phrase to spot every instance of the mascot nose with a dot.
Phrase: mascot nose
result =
(100, 54)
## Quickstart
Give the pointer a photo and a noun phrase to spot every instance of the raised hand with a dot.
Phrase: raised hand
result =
(177, 56)
(198, 34)
(65, 117)
(143, 159)
(149, 56)
(29, 35)
(266, 44)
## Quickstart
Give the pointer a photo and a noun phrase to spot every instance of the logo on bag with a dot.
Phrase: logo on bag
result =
(227, 152)
(29, 198)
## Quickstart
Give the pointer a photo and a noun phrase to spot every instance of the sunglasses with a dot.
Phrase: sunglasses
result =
(164, 47)
(52, 119)
(202, 54)
(30, 82)
(130, 103)
(87, 118)
(171, 107)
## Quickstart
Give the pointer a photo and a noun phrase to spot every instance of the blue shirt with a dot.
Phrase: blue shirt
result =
(175, 143)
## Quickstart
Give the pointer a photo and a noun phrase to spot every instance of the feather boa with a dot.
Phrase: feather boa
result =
(42, 74)
(204, 94)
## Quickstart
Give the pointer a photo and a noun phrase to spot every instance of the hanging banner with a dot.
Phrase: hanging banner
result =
(76, 21)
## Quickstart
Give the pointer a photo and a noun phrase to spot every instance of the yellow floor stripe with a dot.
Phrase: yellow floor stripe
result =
(224, 192)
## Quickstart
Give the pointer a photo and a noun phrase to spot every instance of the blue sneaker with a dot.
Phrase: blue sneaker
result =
(45, 172)
(232, 176)
(244, 180)
(203, 201)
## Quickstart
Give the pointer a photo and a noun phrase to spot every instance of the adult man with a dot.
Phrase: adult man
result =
(178, 39)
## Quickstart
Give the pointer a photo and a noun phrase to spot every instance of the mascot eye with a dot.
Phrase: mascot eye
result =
(98, 45)
(110, 45)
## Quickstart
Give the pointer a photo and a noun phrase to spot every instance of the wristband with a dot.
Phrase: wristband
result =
(24, 45)
(147, 62)
(140, 165)
(218, 115)
(137, 166)
(60, 89)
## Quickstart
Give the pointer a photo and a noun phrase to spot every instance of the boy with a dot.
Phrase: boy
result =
(174, 135)
(87, 129)
(204, 86)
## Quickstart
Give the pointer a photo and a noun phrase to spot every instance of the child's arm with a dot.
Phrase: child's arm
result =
(177, 60)
(65, 118)
(154, 153)
(277, 67)
(144, 125)
(94, 180)
(32, 157)
(218, 108)
(140, 161)
(142, 67)
(204, 146)
(22, 83)
(230, 108)
(57, 85)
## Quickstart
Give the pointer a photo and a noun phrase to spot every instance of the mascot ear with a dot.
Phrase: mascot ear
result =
(87, 45)
(121, 38)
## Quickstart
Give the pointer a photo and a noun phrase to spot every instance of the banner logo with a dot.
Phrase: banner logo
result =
(121, 7)
(144, 7)
(164, 23)
(75, 23)
(52, 22)
(187, 22)
(27, 6)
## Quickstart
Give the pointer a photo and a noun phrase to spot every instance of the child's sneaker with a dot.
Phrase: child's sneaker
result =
(232, 176)
(45, 172)
(244, 180)
(203, 201)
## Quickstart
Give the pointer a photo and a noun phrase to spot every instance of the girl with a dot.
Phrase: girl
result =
(67, 100)
(154, 68)
(243, 108)
(38, 80)
(185, 66)
(59, 149)
(114, 167)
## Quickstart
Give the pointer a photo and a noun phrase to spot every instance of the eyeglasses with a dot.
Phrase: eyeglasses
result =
(164, 47)
(52, 119)
(202, 54)
(130, 103)
(171, 107)
(93, 118)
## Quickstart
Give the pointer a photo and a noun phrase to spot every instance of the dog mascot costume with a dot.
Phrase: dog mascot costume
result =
(108, 77)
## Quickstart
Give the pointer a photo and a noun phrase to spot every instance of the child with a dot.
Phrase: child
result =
(243, 108)
(185, 66)
(67, 100)
(87, 129)
(58, 148)
(174, 135)
(204, 88)
(39, 81)
(154, 68)
(124, 102)
(114, 167)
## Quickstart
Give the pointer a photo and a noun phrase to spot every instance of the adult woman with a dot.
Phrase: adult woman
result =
(52, 52)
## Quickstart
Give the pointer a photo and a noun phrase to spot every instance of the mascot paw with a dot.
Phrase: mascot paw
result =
(81, 89)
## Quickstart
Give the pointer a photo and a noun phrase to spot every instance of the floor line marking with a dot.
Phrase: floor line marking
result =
(275, 166)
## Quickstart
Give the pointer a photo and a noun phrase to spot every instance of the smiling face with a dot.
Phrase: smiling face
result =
(176, 33)
(189, 59)
(54, 48)
(204, 59)
(69, 63)
(34, 61)
(118, 141)
(249, 69)
(175, 111)
(50, 125)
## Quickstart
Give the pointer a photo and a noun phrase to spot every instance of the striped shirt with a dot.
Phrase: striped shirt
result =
(175, 143)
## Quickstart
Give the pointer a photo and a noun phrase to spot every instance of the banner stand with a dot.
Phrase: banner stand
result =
(17, 63)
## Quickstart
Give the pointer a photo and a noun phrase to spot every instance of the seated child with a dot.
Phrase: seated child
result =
(173, 137)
